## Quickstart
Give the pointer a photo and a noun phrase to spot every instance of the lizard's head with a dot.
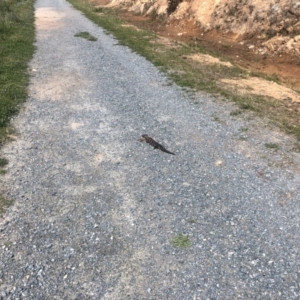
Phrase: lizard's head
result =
(144, 135)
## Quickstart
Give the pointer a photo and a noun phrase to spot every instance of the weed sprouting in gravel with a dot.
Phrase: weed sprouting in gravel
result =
(181, 241)
(3, 162)
(168, 83)
(192, 221)
(236, 112)
(4, 203)
(244, 105)
(86, 35)
(244, 129)
(272, 146)
(219, 120)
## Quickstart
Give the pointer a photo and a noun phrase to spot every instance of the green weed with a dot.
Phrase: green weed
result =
(274, 77)
(244, 129)
(4, 204)
(86, 35)
(180, 241)
(98, 9)
(191, 221)
(244, 105)
(272, 146)
(236, 112)
(3, 162)
(219, 120)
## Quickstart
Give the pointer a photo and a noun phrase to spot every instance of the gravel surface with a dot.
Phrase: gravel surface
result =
(95, 210)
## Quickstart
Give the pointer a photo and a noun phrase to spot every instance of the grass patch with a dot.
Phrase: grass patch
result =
(98, 9)
(3, 162)
(191, 221)
(272, 146)
(219, 120)
(187, 72)
(16, 49)
(4, 204)
(274, 77)
(244, 105)
(181, 241)
(86, 35)
(236, 112)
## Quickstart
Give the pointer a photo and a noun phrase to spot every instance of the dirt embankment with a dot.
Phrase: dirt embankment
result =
(272, 25)
(262, 36)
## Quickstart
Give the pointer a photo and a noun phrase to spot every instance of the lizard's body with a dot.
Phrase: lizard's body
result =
(155, 144)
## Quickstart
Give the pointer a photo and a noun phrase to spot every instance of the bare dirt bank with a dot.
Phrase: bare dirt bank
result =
(276, 22)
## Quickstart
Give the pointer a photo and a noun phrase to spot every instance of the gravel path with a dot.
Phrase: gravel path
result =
(95, 210)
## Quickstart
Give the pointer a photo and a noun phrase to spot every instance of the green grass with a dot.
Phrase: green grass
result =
(86, 35)
(273, 77)
(244, 129)
(98, 9)
(16, 49)
(272, 146)
(180, 241)
(236, 112)
(244, 105)
(4, 203)
(219, 120)
(3, 162)
(191, 74)
(192, 221)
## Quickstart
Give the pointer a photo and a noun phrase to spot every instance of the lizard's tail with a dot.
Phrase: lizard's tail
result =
(165, 150)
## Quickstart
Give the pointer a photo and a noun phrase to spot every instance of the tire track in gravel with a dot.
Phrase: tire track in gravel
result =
(95, 209)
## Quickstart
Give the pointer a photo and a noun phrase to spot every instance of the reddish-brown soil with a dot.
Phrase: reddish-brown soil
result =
(285, 67)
